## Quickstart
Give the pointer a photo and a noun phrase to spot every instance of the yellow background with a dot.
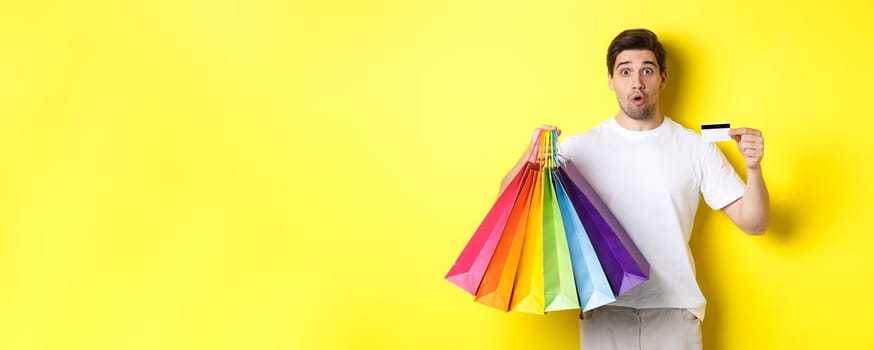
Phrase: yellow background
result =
(300, 175)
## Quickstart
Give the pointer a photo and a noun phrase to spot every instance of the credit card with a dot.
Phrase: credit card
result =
(715, 132)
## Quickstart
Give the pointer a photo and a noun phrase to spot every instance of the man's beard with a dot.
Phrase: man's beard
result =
(642, 113)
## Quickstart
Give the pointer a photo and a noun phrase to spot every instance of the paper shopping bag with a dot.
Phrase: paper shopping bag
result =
(592, 286)
(528, 289)
(623, 263)
(469, 268)
(560, 290)
(497, 284)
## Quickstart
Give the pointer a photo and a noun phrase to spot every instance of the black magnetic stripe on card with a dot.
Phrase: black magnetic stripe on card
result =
(714, 126)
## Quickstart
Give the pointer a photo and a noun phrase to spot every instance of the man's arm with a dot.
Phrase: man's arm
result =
(751, 212)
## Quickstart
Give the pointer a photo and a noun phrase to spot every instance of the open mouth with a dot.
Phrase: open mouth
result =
(638, 100)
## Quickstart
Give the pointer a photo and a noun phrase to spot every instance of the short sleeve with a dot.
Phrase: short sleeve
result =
(720, 184)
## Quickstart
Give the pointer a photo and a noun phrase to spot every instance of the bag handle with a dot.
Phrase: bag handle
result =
(546, 150)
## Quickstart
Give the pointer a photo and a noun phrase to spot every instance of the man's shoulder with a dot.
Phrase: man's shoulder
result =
(684, 134)
(591, 134)
(576, 145)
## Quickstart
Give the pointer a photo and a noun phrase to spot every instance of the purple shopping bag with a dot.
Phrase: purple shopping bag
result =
(623, 263)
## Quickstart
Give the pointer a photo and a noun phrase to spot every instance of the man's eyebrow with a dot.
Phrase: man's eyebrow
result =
(629, 62)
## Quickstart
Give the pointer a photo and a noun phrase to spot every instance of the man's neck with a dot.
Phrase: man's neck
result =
(639, 125)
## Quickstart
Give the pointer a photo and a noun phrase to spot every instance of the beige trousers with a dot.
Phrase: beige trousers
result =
(623, 328)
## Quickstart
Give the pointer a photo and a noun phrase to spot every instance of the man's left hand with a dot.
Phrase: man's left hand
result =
(751, 145)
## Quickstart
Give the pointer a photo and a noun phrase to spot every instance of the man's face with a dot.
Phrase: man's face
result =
(636, 80)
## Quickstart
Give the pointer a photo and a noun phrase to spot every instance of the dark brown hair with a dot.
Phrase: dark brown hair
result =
(636, 39)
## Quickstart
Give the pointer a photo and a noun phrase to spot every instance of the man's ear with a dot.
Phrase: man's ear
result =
(610, 81)
(664, 79)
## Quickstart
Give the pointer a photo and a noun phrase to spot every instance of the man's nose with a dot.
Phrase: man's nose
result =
(637, 81)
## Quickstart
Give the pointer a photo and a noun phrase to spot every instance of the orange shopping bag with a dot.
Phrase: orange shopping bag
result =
(497, 284)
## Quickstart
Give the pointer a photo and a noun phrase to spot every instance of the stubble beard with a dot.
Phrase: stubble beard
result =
(638, 113)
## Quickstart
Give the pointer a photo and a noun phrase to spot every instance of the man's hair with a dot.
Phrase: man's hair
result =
(636, 39)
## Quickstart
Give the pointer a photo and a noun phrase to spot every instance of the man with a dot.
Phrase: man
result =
(649, 170)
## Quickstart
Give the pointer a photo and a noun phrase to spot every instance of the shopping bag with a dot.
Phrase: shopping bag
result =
(469, 268)
(560, 290)
(528, 288)
(497, 284)
(623, 263)
(548, 243)
(592, 286)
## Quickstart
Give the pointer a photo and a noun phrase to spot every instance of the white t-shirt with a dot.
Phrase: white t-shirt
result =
(651, 181)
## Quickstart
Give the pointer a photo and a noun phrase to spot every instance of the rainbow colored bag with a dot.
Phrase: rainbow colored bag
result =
(548, 243)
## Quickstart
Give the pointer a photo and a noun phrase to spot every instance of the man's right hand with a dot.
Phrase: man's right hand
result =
(532, 150)
(530, 155)
(543, 127)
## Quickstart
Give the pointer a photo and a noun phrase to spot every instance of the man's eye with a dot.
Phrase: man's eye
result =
(647, 71)
(625, 72)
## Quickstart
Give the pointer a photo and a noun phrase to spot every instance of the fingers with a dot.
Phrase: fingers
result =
(750, 143)
(743, 131)
(743, 135)
(548, 127)
(542, 128)
(752, 151)
(539, 151)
